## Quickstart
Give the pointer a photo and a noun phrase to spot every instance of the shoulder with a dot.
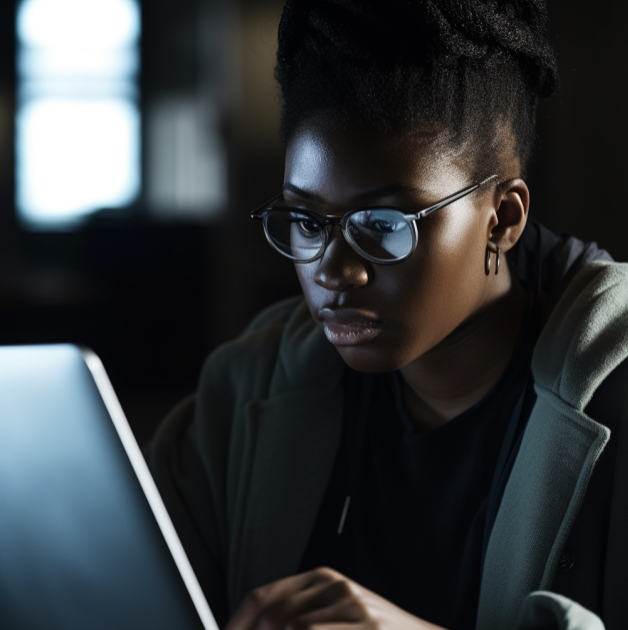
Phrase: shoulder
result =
(586, 336)
(280, 350)
(243, 369)
(249, 359)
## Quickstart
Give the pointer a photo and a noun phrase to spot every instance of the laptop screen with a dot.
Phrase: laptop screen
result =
(85, 541)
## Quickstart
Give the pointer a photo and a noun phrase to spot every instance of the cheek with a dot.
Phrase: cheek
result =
(305, 274)
(439, 287)
(454, 258)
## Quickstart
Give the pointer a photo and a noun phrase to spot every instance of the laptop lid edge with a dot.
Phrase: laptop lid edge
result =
(149, 487)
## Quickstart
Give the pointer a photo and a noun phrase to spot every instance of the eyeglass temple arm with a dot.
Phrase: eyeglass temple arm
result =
(256, 214)
(451, 199)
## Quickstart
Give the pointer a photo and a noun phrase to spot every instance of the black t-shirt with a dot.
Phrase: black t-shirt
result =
(422, 504)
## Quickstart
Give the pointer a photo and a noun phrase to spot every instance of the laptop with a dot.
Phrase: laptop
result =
(86, 542)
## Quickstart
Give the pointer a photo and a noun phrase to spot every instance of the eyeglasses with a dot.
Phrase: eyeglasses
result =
(381, 235)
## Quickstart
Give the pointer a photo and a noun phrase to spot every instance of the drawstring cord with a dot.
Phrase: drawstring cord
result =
(361, 384)
(345, 509)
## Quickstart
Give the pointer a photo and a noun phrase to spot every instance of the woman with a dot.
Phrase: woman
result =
(433, 432)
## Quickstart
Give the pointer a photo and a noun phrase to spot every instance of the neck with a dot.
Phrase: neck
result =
(458, 372)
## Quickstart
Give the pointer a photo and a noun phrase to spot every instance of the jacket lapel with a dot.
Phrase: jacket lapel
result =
(296, 438)
(540, 502)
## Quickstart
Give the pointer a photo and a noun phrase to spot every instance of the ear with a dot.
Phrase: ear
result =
(512, 200)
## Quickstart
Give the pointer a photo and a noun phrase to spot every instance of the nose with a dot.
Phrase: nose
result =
(341, 267)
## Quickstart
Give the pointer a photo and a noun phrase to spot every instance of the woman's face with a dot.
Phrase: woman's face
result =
(382, 317)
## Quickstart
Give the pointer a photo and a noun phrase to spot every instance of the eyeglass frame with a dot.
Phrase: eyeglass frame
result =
(261, 212)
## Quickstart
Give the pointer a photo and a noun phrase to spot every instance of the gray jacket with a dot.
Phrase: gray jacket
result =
(243, 465)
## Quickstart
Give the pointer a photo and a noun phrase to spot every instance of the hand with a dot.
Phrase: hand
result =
(322, 598)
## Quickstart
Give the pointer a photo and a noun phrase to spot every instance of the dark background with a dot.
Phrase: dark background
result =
(152, 299)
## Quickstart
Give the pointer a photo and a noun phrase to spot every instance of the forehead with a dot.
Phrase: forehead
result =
(340, 162)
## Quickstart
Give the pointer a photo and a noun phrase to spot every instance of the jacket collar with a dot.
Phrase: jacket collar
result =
(541, 500)
(297, 438)
(584, 340)
(293, 438)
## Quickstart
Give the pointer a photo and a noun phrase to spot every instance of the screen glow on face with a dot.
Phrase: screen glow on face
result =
(77, 121)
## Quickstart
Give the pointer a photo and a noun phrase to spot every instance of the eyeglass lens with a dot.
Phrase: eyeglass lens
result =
(381, 234)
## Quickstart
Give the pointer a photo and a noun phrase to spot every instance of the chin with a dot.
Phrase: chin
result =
(363, 358)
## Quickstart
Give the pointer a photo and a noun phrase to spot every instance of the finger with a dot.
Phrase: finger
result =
(359, 608)
(264, 597)
(317, 596)
(345, 611)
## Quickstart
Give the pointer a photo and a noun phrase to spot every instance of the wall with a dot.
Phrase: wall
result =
(577, 183)
(154, 299)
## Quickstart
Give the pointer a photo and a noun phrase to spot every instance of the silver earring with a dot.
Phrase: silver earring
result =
(487, 261)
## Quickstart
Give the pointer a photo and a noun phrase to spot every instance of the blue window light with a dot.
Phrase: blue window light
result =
(78, 122)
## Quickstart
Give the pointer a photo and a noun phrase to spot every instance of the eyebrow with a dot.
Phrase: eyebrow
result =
(393, 189)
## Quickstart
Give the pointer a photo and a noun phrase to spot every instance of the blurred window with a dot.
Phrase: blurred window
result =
(186, 159)
(78, 121)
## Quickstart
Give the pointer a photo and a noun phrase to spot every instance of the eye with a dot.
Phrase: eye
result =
(383, 222)
(305, 225)
(381, 225)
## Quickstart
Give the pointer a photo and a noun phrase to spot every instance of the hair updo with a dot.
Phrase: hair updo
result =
(471, 69)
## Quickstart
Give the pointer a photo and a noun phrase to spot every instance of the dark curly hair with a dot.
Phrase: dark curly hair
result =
(471, 69)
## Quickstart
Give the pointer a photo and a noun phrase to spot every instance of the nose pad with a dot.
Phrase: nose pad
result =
(353, 231)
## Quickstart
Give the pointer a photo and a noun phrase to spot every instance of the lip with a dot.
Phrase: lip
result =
(349, 327)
